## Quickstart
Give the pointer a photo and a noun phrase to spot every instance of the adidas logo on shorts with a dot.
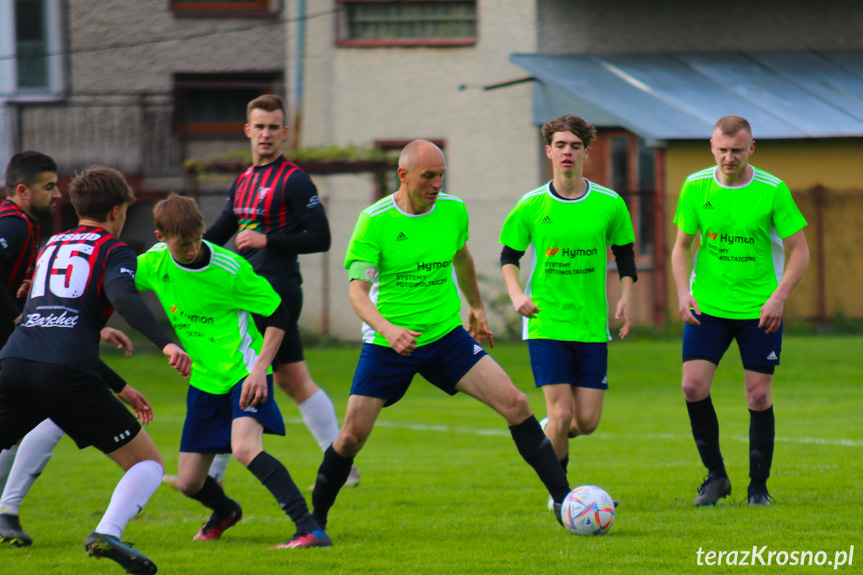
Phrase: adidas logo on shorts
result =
(772, 356)
(476, 349)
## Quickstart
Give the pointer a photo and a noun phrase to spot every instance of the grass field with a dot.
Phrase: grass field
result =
(444, 491)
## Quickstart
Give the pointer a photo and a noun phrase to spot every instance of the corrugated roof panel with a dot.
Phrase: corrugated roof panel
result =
(800, 94)
(746, 77)
(595, 84)
(819, 75)
(698, 93)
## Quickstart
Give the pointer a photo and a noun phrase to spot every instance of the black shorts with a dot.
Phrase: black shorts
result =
(79, 403)
(291, 350)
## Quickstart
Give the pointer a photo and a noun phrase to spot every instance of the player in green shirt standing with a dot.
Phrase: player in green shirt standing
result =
(401, 259)
(736, 290)
(209, 295)
(569, 222)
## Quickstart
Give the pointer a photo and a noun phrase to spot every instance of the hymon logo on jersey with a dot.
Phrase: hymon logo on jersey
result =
(568, 253)
(173, 309)
(401, 237)
(729, 239)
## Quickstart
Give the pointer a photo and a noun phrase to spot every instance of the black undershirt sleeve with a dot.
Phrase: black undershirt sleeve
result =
(9, 309)
(625, 257)
(221, 231)
(281, 318)
(510, 256)
(128, 302)
(314, 238)
(112, 378)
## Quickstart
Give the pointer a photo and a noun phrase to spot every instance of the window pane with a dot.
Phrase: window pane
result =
(620, 164)
(217, 105)
(31, 45)
(391, 20)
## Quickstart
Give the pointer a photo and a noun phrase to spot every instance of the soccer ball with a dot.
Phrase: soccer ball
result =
(587, 510)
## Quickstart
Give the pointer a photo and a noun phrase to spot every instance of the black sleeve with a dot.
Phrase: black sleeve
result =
(314, 238)
(510, 256)
(112, 378)
(9, 308)
(225, 227)
(625, 257)
(128, 302)
(281, 318)
(13, 234)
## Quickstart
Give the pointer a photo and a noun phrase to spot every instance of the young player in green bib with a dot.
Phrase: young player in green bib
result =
(569, 222)
(736, 290)
(401, 260)
(209, 295)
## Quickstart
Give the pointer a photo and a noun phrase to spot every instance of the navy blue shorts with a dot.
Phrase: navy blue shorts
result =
(208, 418)
(383, 373)
(582, 364)
(759, 350)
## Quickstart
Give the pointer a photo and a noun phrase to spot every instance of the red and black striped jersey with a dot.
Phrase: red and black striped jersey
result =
(67, 306)
(274, 199)
(19, 244)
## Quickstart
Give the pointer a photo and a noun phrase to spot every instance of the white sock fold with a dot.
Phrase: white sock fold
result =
(319, 416)
(34, 453)
(218, 467)
(131, 494)
(7, 456)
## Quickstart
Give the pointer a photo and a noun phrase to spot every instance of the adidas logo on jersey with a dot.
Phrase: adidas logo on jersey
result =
(772, 356)
(545, 220)
(476, 349)
(401, 237)
(166, 278)
(707, 205)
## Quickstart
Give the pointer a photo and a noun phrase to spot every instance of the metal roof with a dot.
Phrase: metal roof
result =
(679, 96)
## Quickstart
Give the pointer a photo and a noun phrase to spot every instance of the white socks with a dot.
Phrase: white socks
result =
(319, 416)
(33, 455)
(218, 467)
(7, 456)
(131, 494)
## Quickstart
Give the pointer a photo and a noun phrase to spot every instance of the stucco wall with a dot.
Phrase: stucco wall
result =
(358, 95)
(148, 67)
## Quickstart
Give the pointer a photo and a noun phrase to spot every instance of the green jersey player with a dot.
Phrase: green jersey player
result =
(209, 294)
(401, 260)
(736, 290)
(569, 222)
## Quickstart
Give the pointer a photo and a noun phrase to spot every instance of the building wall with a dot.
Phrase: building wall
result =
(583, 26)
(357, 95)
(192, 44)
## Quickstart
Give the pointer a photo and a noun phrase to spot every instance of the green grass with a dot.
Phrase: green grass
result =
(444, 491)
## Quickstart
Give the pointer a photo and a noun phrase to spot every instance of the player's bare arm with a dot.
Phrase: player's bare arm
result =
(798, 260)
(521, 302)
(402, 340)
(477, 321)
(255, 385)
(681, 257)
(624, 306)
(178, 359)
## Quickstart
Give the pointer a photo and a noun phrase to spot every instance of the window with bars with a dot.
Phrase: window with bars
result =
(215, 104)
(407, 22)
